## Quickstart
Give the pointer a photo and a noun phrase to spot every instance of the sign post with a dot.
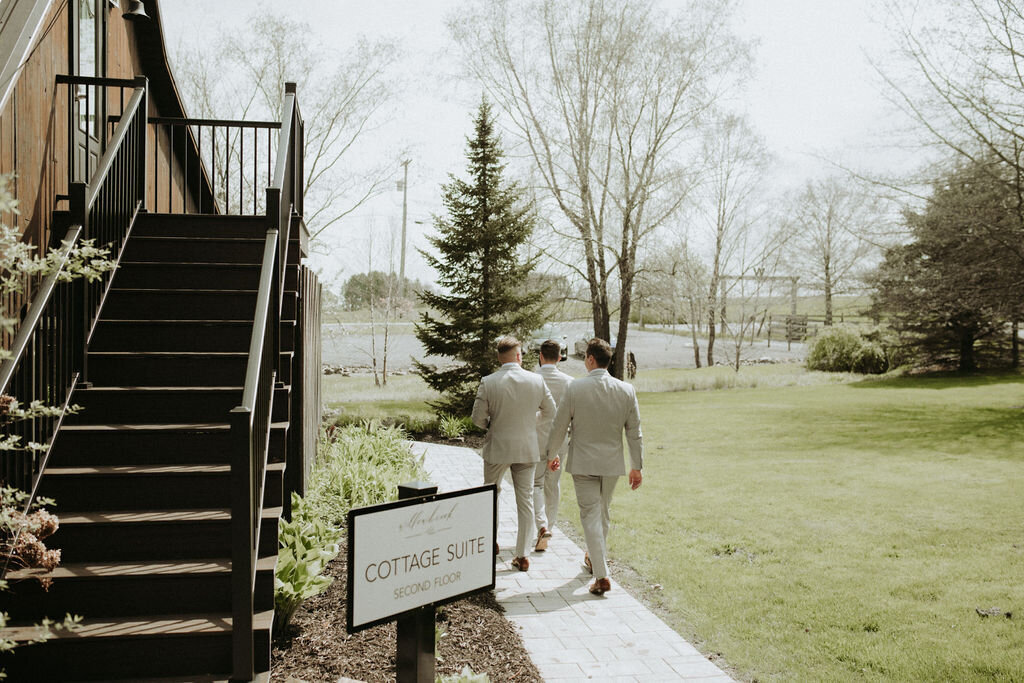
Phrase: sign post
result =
(414, 658)
(407, 557)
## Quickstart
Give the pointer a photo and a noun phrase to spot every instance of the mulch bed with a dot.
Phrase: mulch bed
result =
(318, 648)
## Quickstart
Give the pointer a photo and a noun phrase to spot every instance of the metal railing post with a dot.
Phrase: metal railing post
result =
(80, 303)
(143, 123)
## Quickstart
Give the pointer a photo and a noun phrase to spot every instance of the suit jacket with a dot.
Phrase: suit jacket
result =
(598, 407)
(556, 382)
(506, 405)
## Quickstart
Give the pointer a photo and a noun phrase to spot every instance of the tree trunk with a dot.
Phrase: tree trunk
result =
(967, 361)
(711, 336)
(1015, 344)
(828, 297)
(694, 331)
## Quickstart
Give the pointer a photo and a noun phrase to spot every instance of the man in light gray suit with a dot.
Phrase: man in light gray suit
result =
(506, 406)
(545, 481)
(598, 408)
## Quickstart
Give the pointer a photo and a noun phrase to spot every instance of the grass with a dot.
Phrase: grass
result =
(404, 400)
(811, 526)
(722, 377)
(837, 532)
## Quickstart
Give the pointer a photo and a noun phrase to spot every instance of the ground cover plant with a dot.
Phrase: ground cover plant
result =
(837, 532)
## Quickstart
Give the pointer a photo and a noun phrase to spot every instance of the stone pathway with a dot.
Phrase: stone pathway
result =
(570, 634)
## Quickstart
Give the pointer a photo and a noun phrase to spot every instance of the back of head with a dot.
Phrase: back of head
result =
(601, 351)
(551, 351)
(508, 349)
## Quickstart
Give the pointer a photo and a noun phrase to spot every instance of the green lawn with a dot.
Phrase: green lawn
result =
(808, 530)
(837, 532)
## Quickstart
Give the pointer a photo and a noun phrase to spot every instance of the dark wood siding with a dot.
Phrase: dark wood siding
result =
(33, 123)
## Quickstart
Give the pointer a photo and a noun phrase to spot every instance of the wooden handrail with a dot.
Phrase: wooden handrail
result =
(263, 298)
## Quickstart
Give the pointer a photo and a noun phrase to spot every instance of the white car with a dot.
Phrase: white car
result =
(548, 332)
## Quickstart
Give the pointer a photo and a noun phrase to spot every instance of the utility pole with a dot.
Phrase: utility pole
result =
(405, 212)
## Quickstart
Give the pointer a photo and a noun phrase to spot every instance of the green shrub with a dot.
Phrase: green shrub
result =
(360, 465)
(451, 427)
(834, 350)
(870, 360)
(307, 544)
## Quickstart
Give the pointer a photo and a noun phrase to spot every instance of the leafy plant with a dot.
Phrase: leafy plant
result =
(307, 544)
(24, 525)
(843, 350)
(451, 427)
(360, 465)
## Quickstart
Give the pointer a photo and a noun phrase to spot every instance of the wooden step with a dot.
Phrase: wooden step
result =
(150, 405)
(180, 335)
(121, 536)
(188, 304)
(199, 225)
(158, 275)
(135, 649)
(174, 368)
(201, 249)
(132, 589)
(86, 445)
(141, 487)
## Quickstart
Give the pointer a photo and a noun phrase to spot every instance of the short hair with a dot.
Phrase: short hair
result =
(551, 350)
(506, 344)
(601, 352)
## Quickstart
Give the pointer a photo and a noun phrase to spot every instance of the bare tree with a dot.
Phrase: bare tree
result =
(961, 80)
(605, 95)
(674, 280)
(729, 207)
(829, 221)
(343, 96)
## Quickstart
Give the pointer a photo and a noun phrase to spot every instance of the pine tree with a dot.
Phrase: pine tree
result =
(481, 272)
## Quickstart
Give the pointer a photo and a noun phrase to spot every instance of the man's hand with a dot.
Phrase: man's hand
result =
(554, 464)
(634, 479)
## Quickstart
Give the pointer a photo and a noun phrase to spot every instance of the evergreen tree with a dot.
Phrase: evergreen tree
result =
(957, 282)
(480, 270)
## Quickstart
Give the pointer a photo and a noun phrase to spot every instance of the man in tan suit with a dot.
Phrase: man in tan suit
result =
(506, 406)
(545, 481)
(598, 408)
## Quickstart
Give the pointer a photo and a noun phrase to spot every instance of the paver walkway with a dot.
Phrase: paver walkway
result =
(570, 634)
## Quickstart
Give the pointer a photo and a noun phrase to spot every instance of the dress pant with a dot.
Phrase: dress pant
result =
(522, 483)
(545, 496)
(594, 495)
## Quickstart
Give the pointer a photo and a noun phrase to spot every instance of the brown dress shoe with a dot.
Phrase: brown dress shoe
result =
(600, 586)
(521, 563)
(543, 536)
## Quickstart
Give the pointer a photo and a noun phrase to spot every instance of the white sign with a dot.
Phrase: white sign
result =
(419, 551)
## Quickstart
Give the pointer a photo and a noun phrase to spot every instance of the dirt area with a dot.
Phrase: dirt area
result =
(318, 648)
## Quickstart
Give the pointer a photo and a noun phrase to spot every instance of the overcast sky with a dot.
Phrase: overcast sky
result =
(812, 93)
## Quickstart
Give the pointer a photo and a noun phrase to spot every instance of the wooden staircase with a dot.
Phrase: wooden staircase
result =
(141, 474)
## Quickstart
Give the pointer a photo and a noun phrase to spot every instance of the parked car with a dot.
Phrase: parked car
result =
(580, 346)
(548, 331)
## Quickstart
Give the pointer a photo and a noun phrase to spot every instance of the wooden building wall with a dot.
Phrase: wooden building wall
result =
(33, 130)
(33, 123)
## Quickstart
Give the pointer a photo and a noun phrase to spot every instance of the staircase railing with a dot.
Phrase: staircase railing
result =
(222, 166)
(251, 421)
(48, 355)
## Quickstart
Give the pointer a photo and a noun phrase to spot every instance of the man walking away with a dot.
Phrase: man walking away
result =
(506, 406)
(545, 481)
(598, 408)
